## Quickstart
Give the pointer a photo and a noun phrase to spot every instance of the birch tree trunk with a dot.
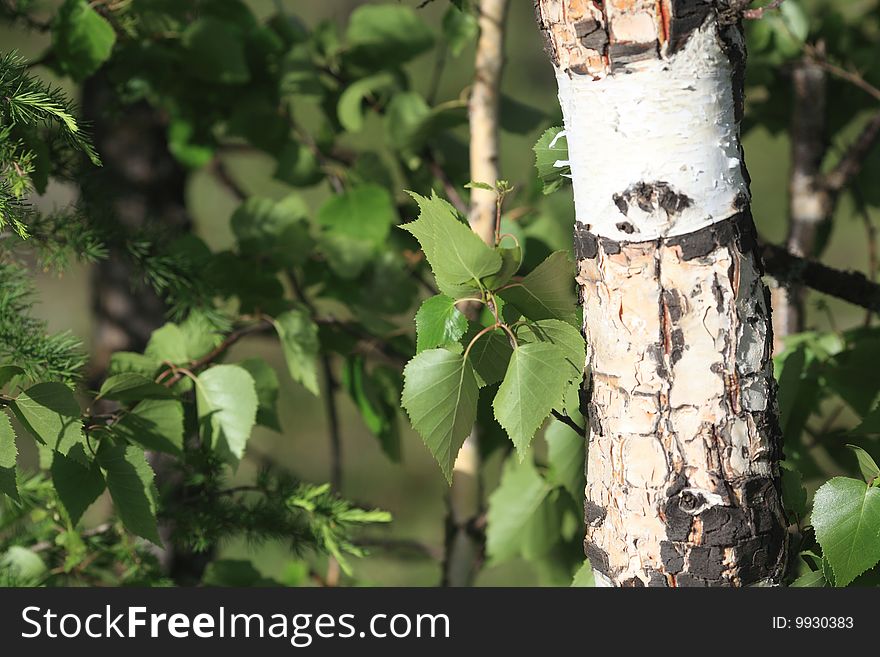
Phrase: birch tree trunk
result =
(682, 476)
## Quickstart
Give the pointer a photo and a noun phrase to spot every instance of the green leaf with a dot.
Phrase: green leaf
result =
(226, 399)
(867, 465)
(82, 39)
(870, 423)
(456, 254)
(547, 292)
(439, 323)
(550, 150)
(846, 516)
(298, 165)
(274, 230)
(813, 579)
(365, 213)
(532, 387)
(299, 340)
(350, 108)
(130, 482)
(78, 486)
(215, 51)
(584, 577)
(511, 261)
(565, 336)
(489, 356)
(8, 457)
(186, 146)
(794, 495)
(50, 412)
(266, 382)
(512, 508)
(129, 387)
(127, 361)
(155, 424)
(25, 566)
(459, 29)
(168, 344)
(387, 35)
(440, 396)
(566, 459)
(376, 395)
(9, 372)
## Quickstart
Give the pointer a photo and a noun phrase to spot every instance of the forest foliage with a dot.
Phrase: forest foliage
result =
(381, 292)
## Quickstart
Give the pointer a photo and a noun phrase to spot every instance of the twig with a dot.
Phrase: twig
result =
(451, 192)
(221, 171)
(852, 77)
(852, 161)
(566, 420)
(758, 12)
(853, 287)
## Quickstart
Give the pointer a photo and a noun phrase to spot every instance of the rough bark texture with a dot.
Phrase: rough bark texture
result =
(682, 477)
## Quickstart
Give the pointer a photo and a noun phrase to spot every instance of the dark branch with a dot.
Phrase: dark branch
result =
(850, 286)
(566, 420)
(854, 158)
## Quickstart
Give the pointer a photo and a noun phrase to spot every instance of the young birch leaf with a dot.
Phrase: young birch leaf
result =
(867, 464)
(226, 398)
(457, 255)
(584, 577)
(82, 39)
(376, 395)
(846, 516)
(168, 343)
(9, 372)
(130, 482)
(547, 292)
(78, 486)
(550, 150)
(813, 579)
(155, 424)
(130, 386)
(299, 340)
(439, 323)
(387, 34)
(566, 455)
(563, 335)
(8, 456)
(512, 508)
(531, 389)
(440, 395)
(489, 355)
(266, 382)
(50, 412)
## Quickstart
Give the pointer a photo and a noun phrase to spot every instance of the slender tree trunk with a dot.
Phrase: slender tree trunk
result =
(463, 548)
(682, 478)
(810, 204)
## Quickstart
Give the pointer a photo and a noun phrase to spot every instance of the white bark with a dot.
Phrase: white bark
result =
(682, 478)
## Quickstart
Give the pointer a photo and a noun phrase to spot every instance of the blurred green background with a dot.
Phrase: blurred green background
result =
(415, 491)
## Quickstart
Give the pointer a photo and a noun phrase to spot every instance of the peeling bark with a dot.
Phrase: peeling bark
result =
(682, 479)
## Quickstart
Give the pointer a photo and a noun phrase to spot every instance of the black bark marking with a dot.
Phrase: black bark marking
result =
(686, 17)
(610, 247)
(622, 53)
(586, 245)
(672, 558)
(678, 522)
(592, 35)
(632, 583)
(597, 556)
(652, 197)
(594, 515)
(626, 227)
(706, 562)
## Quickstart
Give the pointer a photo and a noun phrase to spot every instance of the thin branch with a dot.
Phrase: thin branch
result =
(566, 420)
(853, 77)
(852, 161)
(853, 287)
(451, 192)
(222, 173)
(758, 12)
